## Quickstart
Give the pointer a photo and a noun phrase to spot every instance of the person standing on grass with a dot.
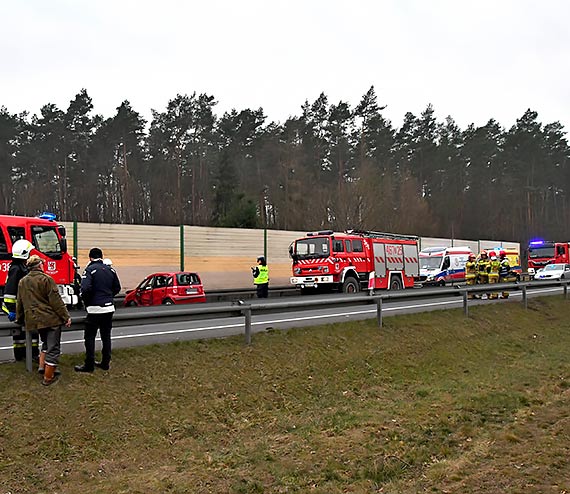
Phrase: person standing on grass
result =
(261, 277)
(16, 271)
(99, 284)
(40, 308)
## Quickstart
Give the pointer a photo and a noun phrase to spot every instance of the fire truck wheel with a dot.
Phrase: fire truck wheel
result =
(395, 283)
(350, 285)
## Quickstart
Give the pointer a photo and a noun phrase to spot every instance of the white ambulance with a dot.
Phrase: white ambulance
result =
(443, 265)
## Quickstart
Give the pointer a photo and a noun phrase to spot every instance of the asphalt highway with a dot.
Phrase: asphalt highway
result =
(153, 333)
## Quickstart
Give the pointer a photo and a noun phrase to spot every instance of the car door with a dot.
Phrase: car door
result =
(159, 289)
(144, 291)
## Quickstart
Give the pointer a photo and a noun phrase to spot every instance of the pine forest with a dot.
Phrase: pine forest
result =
(332, 166)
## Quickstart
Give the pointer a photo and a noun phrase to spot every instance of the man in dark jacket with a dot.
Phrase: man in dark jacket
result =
(40, 308)
(99, 284)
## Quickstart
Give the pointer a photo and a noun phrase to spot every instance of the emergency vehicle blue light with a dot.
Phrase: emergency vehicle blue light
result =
(48, 216)
(537, 242)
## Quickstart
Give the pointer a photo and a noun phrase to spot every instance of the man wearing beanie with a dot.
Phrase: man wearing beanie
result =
(99, 284)
(40, 308)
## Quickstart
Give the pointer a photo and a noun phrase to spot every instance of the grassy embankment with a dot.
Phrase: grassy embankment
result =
(431, 403)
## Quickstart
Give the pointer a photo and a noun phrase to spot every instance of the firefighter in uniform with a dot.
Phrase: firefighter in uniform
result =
(471, 272)
(494, 266)
(261, 277)
(482, 269)
(17, 270)
(504, 271)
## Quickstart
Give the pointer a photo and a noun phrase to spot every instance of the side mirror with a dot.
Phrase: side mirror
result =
(61, 230)
(63, 244)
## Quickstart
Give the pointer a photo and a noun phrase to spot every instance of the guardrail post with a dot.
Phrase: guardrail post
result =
(247, 315)
(465, 304)
(28, 350)
(379, 311)
(182, 253)
(524, 298)
(566, 291)
(75, 246)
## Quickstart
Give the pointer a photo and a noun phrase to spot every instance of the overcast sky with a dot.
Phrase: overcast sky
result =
(472, 60)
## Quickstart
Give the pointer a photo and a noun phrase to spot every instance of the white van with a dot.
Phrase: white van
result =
(441, 265)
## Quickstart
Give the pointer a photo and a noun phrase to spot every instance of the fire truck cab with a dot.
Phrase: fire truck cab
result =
(50, 243)
(543, 252)
(354, 260)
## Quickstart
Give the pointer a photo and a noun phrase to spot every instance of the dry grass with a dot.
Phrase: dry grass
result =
(431, 403)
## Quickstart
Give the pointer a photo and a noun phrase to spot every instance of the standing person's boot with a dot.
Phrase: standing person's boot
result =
(84, 368)
(50, 375)
(42, 363)
(104, 365)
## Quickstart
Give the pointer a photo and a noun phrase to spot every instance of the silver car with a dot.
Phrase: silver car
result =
(553, 272)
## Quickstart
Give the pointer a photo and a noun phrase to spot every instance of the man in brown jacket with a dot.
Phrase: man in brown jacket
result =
(40, 308)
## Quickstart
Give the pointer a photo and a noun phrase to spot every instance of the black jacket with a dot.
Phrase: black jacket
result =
(16, 272)
(99, 284)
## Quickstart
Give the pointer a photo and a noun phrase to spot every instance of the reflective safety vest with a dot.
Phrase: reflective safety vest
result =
(470, 270)
(483, 267)
(494, 267)
(505, 268)
(263, 276)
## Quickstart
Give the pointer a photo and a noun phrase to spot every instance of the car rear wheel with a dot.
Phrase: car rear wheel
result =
(167, 302)
(131, 304)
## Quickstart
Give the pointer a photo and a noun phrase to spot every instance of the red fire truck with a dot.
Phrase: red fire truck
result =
(353, 261)
(50, 243)
(543, 252)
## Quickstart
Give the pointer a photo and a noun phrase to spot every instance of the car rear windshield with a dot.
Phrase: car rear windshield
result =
(185, 279)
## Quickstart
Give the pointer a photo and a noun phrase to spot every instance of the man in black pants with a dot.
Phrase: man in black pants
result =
(99, 284)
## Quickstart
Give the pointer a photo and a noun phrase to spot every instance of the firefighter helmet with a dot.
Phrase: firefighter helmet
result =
(471, 256)
(502, 254)
(261, 258)
(21, 249)
(483, 253)
(493, 255)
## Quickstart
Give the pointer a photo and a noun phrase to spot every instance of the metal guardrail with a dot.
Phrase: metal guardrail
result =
(162, 314)
(226, 294)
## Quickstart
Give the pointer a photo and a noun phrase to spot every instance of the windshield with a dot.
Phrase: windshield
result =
(430, 262)
(45, 239)
(310, 248)
(537, 252)
(554, 267)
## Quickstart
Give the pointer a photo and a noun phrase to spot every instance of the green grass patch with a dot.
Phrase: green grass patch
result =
(432, 402)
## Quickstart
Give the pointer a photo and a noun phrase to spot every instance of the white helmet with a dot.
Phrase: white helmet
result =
(21, 249)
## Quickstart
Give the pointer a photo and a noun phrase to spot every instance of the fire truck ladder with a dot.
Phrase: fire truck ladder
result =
(389, 236)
